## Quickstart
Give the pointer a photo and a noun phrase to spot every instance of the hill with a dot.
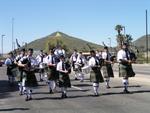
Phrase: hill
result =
(141, 42)
(70, 42)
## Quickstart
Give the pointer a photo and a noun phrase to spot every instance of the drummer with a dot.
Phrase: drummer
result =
(39, 59)
(73, 60)
(80, 62)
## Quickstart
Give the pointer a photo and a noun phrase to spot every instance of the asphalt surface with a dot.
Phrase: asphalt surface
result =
(80, 99)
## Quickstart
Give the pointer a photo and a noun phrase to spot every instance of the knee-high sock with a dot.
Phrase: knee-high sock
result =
(81, 76)
(23, 84)
(52, 84)
(95, 87)
(125, 83)
(107, 81)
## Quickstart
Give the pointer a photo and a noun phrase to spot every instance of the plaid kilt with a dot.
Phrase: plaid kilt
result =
(31, 80)
(64, 80)
(107, 71)
(126, 70)
(96, 76)
(51, 73)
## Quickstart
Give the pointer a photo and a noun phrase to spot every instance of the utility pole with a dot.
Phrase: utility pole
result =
(12, 34)
(2, 43)
(146, 38)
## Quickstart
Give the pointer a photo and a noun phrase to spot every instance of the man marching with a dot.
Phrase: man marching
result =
(107, 68)
(125, 66)
(39, 59)
(95, 74)
(28, 64)
(52, 75)
(64, 80)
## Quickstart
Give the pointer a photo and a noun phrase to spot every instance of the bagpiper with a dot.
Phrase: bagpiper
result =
(52, 75)
(64, 80)
(107, 70)
(20, 73)
(95, 73)
(28, 63)
(125, 66)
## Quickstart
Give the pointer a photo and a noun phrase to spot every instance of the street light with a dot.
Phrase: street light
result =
(2, 36)
(110, 43)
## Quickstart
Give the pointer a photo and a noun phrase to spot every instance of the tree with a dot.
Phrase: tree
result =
(119, 28)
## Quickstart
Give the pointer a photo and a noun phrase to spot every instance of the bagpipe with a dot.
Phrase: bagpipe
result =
(29, 67)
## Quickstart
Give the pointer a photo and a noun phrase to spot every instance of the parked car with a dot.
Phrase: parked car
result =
(1, 63)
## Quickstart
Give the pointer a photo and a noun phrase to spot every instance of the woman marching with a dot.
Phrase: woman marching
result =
(95, 74)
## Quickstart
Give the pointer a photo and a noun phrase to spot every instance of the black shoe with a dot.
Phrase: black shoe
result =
(126, 91)
(108, 87)
(50, 91)
(65, 96)
(62, 96)
(96, 94)
(27, 98)
(30, 98)
(75, 79)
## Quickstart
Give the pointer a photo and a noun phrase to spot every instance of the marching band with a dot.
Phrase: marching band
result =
(55, 69)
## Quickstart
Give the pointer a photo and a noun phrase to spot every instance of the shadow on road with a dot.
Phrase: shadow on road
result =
(14, 109)
(6, 89)
(128, 86)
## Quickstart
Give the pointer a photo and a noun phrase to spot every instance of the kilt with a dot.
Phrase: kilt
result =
(107, 71)
(31, 80)
(51, 73)
(64, 80)
(126, 70)
(96, 76)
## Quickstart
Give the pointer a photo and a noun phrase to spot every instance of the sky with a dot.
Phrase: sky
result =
(91, 20)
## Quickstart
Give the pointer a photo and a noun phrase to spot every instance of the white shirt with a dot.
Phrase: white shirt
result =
(59, 66)
(32, 60)
(104, 56)
(8, 61)
(50, 58)
(39, 58)
(92, 62)
(121, 55)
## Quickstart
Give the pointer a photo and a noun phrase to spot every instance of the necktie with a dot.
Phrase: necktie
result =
(63, 66)
(127, 55)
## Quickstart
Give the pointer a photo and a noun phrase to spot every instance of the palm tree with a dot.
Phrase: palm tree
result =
(129, 39)
(119, 28)
(120, 37)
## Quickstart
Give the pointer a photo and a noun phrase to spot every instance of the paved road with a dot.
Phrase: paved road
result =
(80, 98)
